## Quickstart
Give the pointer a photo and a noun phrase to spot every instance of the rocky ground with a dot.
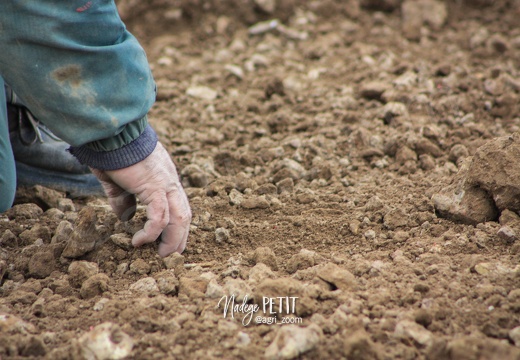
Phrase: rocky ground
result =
(357, 158)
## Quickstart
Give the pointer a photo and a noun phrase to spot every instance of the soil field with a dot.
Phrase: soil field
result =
(343, 205)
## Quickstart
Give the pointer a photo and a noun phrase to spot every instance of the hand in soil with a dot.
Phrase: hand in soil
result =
(156, 184)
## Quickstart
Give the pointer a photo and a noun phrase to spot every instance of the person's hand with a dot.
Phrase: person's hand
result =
(156, 184)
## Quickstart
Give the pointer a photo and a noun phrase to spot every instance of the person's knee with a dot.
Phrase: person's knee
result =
(6, 204)
(7, 180)
(7, 192)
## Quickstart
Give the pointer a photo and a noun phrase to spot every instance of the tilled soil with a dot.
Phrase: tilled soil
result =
(310, 148)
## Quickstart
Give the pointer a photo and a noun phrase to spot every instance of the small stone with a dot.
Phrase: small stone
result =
(165, 61)
(359, 346)
(235, 197)
(65, 204)
(395, 218)
(36, 232)
(94, 286)
(494, 169)
(465, 200)
(267, 6)
(122, 240)
(295, 170)
(507, 234)
(175, 261)
(498, 44)
(23, 297)
(235, 70)
(354, 226)
(256, 202)
(373, 90)
(458, 151)
(423, 317)
(202, 92)
(227, 327)
(214, 290)
(12, 324)
(394, 113)
(122, 268)
(54, 214)
(42, 264)
(401, 236)
(514, 335)
(263, 27)
(369, 153)
(412, 331)
(194, 288)
(266, 189)
(374, 204)
(105, 341)
(140, 267)
(198, 180)
(267, 256)
(275, 85)
(494, 87)
(167, 282)
(8, 239)
(24, 211)
(222, 235)
(338, 277)
(274, 287)
(196, 176)
(404, 154)
(260, 272)
(147, 285)
(274, 202)
(285, 173)
(100, 305)
(443, 70)
(426, 162)
(510, 218)
(473, 207)
(236, 287)
(84, 235)
(242, 339)
(291, 341)
(80, 271)
(482, 268)
(63, 232)
(303, 260)
(416, 13)
(306, 197)
(285, 185)
(320, 171)
(426, 146)
(422, 288)
(370, 234)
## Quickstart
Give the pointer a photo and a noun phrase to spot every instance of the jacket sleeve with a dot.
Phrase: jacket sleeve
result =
(133, 144)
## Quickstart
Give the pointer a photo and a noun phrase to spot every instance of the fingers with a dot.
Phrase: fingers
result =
(175, 235)
(124, 205)
(122, 202)
(158, 214)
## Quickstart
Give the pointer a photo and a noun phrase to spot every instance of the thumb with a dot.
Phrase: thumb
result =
(122, 202)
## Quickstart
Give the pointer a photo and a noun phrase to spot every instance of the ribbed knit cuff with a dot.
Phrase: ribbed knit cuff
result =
(129, 133)
(128, 155)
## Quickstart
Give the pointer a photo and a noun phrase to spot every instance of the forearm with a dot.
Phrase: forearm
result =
(80, 73)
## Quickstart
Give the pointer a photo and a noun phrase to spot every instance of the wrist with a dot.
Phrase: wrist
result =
(104, 155)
